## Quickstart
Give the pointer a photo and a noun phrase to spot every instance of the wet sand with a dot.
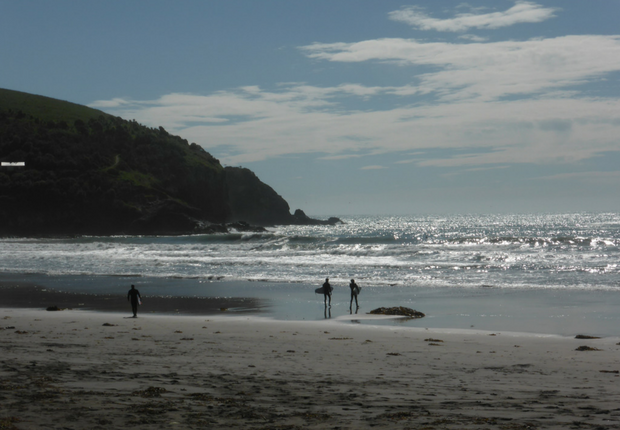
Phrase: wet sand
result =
(78, 369)
(32, 295)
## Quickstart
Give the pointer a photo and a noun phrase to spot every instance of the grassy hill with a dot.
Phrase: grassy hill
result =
(46, 108)
(92, 173)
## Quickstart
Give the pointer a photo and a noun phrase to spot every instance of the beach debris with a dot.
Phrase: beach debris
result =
(609, 371)
(178, 331)
(187, 338)
(398, 310)
(583, 336)
(587, 348)
(434, 344)
(432, 340)
(291, 350)
(340, 338)
(393, 353)
(108, 325)
(54, 308)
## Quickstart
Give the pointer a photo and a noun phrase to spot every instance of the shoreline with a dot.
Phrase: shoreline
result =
(516, 310)
(84, 369)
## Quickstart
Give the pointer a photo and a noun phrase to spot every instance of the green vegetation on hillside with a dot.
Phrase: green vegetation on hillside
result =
(45, 108)
(88, 172)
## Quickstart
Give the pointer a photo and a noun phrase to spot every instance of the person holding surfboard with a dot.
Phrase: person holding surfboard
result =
(355, 290)
(134, 296)
(327, 292)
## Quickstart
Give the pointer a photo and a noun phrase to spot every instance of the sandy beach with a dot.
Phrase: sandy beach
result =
(76, 369)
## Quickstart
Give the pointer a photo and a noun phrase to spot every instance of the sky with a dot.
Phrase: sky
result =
(353, 106)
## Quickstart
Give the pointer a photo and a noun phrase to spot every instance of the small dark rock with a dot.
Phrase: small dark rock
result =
(54, 308)
(586, 348)
(398, 310)
(299, 217)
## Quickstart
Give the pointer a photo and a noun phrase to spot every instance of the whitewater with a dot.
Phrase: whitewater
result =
(563, 251)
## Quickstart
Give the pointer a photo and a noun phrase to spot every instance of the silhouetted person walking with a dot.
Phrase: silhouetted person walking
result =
(134, 296)
(355, 290)
(327, 292)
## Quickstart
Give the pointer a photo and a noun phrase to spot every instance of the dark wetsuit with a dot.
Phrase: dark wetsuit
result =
(134, 296)
(354, 291)
(327, 292)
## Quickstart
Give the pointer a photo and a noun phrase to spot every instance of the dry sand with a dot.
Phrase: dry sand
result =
(91, 370)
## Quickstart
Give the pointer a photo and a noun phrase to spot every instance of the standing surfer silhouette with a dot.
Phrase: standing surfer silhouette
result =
(355, 290)
(327, 292)
(134, 296)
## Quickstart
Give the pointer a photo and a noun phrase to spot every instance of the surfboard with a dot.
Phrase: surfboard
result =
(320, 290)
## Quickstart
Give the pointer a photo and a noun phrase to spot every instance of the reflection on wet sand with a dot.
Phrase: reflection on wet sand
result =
(27, 295)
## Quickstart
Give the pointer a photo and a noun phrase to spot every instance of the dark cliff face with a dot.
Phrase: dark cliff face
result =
(103, 175)
(253, 201)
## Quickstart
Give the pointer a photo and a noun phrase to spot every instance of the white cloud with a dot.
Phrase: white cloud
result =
(521, 12)
(500, 103)
(113, 103)
(488, 70)
(539, 130)
(473, 38)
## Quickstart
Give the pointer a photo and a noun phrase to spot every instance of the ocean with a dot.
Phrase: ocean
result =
(554, 273)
